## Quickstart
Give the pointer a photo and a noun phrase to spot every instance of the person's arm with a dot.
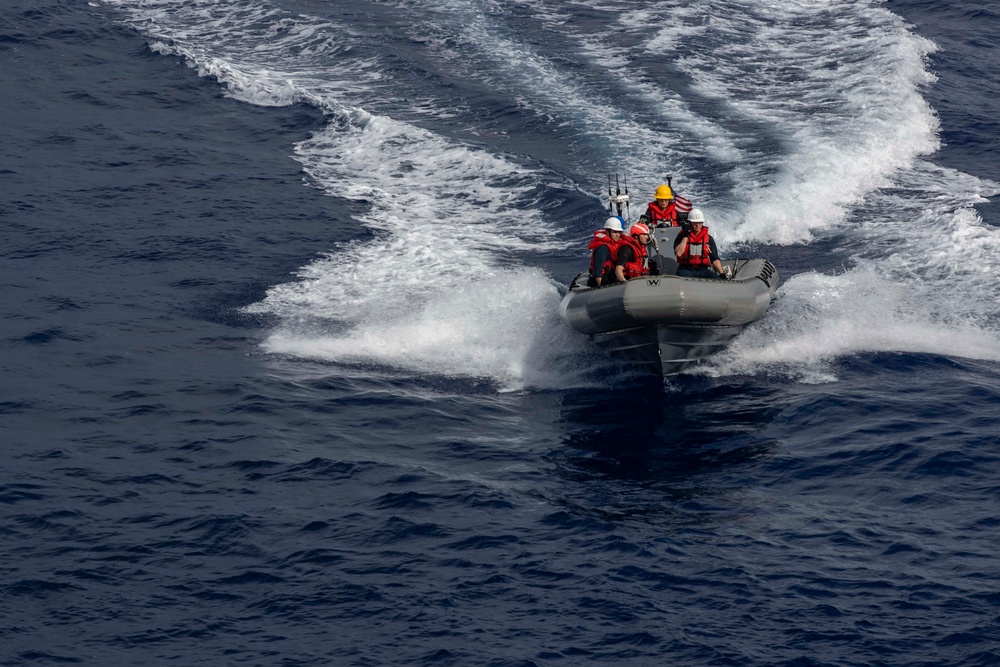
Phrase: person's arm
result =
(713, 256)
(645, 217)
(601, 256)
(624, 256)
(680, 246)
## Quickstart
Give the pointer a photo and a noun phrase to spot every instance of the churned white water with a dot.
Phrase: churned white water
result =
(791, 123)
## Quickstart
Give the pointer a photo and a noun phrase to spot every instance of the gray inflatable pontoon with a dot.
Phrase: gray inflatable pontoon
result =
(665, 324)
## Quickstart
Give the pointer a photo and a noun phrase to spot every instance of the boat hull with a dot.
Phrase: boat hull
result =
(667, 324)
(666, 350)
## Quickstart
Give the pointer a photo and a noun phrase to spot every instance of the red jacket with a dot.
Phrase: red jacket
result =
(601, 238)
(639, 264)
(698, 251)
(662, 216)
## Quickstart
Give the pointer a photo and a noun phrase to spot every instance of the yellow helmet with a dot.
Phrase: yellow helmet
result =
(663, 192)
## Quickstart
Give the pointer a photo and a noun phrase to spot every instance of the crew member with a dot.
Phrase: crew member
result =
(633, 259)
(605, 251)
(662, 211)
(697, 254)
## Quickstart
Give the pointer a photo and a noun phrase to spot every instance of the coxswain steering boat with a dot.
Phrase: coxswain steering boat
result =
(665, 324)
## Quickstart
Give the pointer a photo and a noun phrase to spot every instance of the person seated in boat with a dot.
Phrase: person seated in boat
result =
(633, 258)
(604, 247)
(662, 211)
(697, 254)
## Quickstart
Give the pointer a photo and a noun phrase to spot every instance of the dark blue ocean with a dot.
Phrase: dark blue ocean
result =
(284, 381)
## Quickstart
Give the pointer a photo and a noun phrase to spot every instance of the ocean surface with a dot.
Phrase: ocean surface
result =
(284, 381)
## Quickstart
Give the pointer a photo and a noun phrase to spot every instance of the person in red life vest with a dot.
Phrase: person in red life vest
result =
(633, 259)
(662, 211)
(604, 247)
(697, 254)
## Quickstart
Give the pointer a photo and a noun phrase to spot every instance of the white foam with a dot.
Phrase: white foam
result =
(503, 328)
(926, 275)
(481, 47)
(446, 216)
(841, 87)
(442, 213)
(820, 318)
(261, 55)
(838, 84)
(671, 27)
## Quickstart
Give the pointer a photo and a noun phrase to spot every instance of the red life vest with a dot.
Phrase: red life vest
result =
(601, 237)
(639, 264)
(698, 250)
(662, 216)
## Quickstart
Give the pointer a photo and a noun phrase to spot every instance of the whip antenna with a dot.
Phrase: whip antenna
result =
(627, 209)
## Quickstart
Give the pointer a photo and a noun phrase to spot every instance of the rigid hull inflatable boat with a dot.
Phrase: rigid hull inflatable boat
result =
(665, 324)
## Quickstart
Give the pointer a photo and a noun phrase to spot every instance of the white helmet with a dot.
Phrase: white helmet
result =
(614, 225)
(696, 216)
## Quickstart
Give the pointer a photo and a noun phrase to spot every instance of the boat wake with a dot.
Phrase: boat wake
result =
(794, 125)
